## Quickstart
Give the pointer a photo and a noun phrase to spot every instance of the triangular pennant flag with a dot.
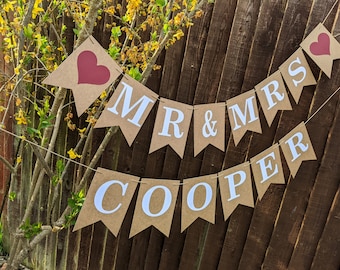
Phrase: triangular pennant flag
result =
(199, 200)
(209, 126)
(128, 108)
(297, 147)
(273, 96)
(267, 169)
(297, 74)
(235, 188)
(88, 71)
(322, 47)
(107, 200)
(171, 126)
(155, 205)
(243, 115)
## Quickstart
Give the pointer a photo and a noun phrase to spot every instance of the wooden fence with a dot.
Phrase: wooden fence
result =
(233, 47)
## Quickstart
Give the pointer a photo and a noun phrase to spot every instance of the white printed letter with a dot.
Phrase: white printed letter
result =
(168, 121)
(294, 72)
(265, 167)
(233, 185)
(191, 194)
(147, 198)
(98, 198)
(243, 117)
(143, 103)
(293, 146)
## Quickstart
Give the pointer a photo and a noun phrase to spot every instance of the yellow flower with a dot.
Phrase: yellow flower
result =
(103, 95)
(36, 9)
(72, 154)
(178, 34)
(178, 18)
(19, 159)
(7, 58)
(17, 102)
(21, 119)
(17, 70)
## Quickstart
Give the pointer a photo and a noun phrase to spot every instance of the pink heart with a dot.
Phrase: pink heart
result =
(322, 46)
(88, 70)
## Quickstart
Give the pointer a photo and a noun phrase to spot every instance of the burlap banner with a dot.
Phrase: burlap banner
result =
(267, 169)
(110, 193)
(273, 96)
(155, 205)
(322, 47)
(209, 126)
(297, 147)
(171, 126)
(297, 74)
(243, 115)
(88, 71)
(107, 200)
(128, 108)
(199, 199)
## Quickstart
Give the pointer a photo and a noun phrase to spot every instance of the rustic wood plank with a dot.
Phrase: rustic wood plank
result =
(235, 237)
(85, 247)
(298, 190)
(260, 229)
(145, 238)
(206, 91)
(262, 224)
(235, 62)
(263, 47)
(328, 250)
(319, 203)
(214, 52)
(97, 247)
(173, 166)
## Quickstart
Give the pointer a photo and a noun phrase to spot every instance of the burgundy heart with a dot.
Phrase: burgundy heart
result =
(88, 70)
(322, 46)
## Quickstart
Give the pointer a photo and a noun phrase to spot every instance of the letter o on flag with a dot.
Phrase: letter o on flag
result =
(208, 196)
(147, 198)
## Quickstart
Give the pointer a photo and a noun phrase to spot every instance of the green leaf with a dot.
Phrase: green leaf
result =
(33, 132)
(154, 36)
(76, 31)
(114, 51)
(166, 28)
(161, 3)
(12, 196)
(28, 32)
(135, 73)
(116, 32)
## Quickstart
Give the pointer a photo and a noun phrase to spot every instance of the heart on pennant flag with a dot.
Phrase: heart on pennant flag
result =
(88, 70)
(322, 46)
